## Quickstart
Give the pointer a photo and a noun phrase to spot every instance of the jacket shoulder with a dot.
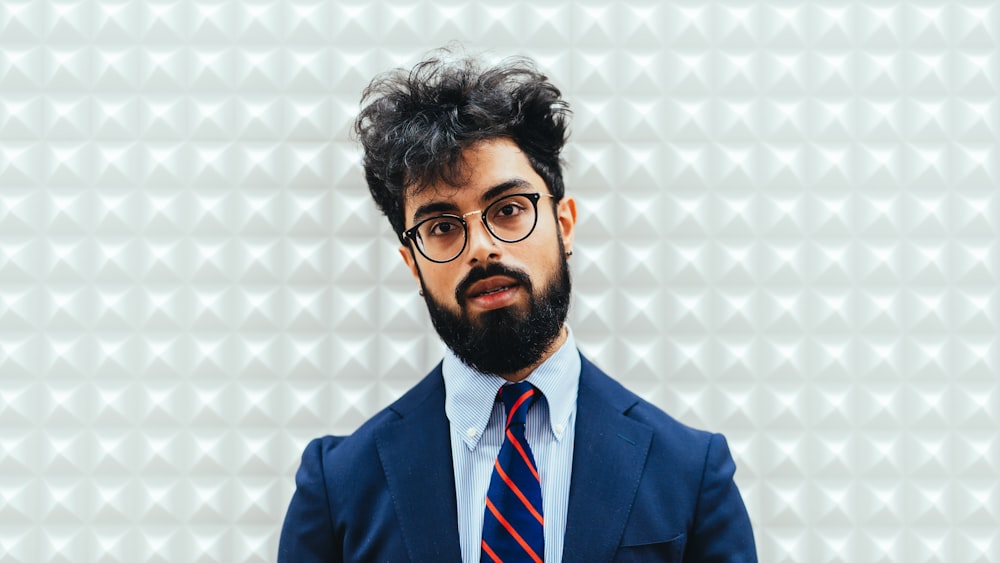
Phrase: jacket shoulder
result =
(342, 508)
(689, 470)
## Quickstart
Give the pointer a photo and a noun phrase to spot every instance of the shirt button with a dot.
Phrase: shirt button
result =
(559, 429)
(471, 432)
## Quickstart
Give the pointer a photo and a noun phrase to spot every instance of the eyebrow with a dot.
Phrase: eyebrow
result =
(436, 207)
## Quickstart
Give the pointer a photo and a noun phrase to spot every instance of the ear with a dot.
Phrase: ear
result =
(566, 217)
(410, 261)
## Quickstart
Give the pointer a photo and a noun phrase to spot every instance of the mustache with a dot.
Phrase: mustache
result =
(489, 270)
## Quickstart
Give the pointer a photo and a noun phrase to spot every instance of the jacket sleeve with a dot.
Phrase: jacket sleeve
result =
(721, 532)
(307, 536)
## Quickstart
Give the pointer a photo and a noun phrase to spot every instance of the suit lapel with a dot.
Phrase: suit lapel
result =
(415, 451)
(609, 454)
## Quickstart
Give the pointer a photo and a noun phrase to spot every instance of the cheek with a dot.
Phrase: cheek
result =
(441, 284)
(549, 246)
(542, 261)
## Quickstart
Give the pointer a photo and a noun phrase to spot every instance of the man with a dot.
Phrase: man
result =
(515, 447)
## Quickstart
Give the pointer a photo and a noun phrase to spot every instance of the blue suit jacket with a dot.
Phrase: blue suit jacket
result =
(644, 486)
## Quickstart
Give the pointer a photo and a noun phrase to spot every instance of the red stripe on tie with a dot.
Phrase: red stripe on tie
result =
(517, 491)
(513, 533)
(524, 455)
(521, 399)
(490, 552)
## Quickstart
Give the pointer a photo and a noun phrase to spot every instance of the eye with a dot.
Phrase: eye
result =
(441, 227)
(508, 209)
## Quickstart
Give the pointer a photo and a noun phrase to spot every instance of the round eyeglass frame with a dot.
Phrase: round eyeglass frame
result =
(411, 233)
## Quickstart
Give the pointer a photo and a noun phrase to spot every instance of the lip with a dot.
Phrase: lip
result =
(493, 292)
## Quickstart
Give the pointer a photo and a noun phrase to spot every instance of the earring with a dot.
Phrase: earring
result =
(421, 291)
(569, 253)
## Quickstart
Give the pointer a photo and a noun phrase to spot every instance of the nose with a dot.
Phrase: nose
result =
(483, 247)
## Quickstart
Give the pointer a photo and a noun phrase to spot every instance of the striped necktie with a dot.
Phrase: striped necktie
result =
(512, 524)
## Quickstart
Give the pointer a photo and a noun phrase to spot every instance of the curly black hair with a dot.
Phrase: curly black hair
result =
(414, 124)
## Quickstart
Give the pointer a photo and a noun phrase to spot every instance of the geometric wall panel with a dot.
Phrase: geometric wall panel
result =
(789, 233)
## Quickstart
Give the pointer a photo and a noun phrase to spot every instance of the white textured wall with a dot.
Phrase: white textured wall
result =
(788, 233)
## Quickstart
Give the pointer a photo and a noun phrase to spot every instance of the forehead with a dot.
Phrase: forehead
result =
(486, 170)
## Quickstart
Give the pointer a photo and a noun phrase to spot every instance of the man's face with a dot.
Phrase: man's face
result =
(499, 306)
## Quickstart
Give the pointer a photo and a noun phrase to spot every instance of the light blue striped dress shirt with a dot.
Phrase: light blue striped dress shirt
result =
(477, 426)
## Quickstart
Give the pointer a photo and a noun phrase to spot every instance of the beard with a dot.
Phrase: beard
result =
(509, 339)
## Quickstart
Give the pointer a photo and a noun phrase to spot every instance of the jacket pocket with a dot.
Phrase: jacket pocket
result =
(669, 551)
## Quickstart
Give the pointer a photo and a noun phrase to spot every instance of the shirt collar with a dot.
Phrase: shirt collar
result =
(469, 394)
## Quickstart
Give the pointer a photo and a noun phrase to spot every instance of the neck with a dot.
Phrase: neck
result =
(521, 374)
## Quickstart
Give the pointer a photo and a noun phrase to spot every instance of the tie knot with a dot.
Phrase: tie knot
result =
(517, 398)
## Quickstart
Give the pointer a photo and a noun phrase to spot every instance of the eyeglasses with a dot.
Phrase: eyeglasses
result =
(443, 238)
